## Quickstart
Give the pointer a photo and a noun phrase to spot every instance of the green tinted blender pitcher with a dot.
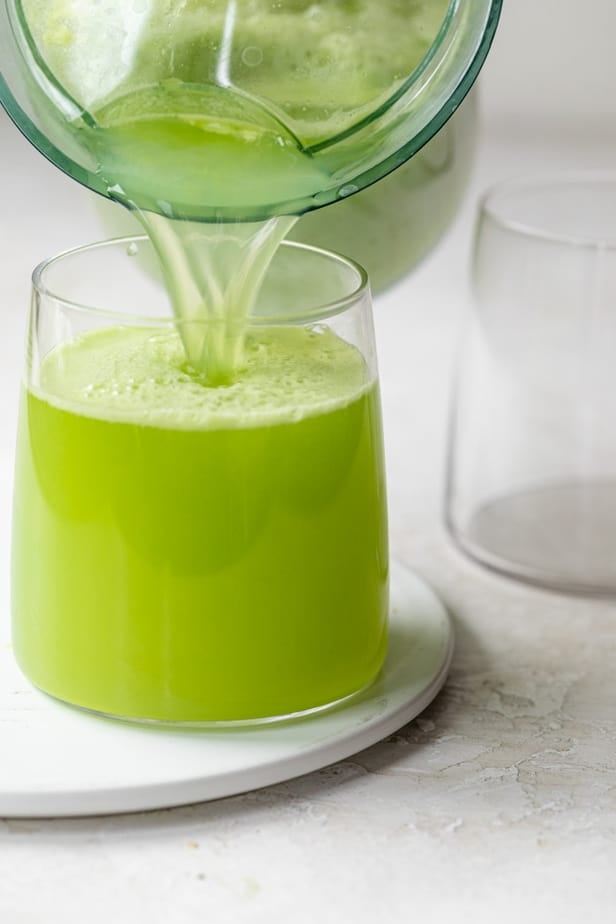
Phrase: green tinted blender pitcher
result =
(221, 110)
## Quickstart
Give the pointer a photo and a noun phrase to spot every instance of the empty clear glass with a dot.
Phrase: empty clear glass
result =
(532, 459)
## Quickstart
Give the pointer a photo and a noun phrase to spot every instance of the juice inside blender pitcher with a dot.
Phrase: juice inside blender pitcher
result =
(195, 111)
(212, 104)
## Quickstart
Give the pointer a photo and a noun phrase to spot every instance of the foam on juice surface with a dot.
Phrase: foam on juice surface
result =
(140, 375)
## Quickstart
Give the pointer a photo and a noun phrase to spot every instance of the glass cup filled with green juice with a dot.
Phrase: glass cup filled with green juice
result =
(190, 553)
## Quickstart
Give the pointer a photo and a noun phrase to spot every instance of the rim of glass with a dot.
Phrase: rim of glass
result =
(320, 312)
(539, 183)
(426, 67)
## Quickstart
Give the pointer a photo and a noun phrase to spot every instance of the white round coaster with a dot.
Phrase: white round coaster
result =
(59, 761)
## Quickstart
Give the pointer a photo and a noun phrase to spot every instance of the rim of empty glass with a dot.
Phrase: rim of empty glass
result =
(320, 312)
(489, 206)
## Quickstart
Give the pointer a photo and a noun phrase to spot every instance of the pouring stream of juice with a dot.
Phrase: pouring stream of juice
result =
(194, 109)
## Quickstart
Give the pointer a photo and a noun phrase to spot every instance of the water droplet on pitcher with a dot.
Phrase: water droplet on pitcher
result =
(345, 191)
(133, 249)
(252, 56)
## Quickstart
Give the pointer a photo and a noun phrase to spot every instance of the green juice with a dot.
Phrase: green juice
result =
(202, 554)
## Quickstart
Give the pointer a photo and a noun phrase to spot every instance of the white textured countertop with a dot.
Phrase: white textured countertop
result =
(499, 803)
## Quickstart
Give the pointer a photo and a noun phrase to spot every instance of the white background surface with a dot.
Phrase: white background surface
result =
(500, 802)
(553, 63)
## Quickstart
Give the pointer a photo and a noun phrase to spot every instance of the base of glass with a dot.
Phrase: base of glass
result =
(64, 761)
(213, 724)
(560, 537)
